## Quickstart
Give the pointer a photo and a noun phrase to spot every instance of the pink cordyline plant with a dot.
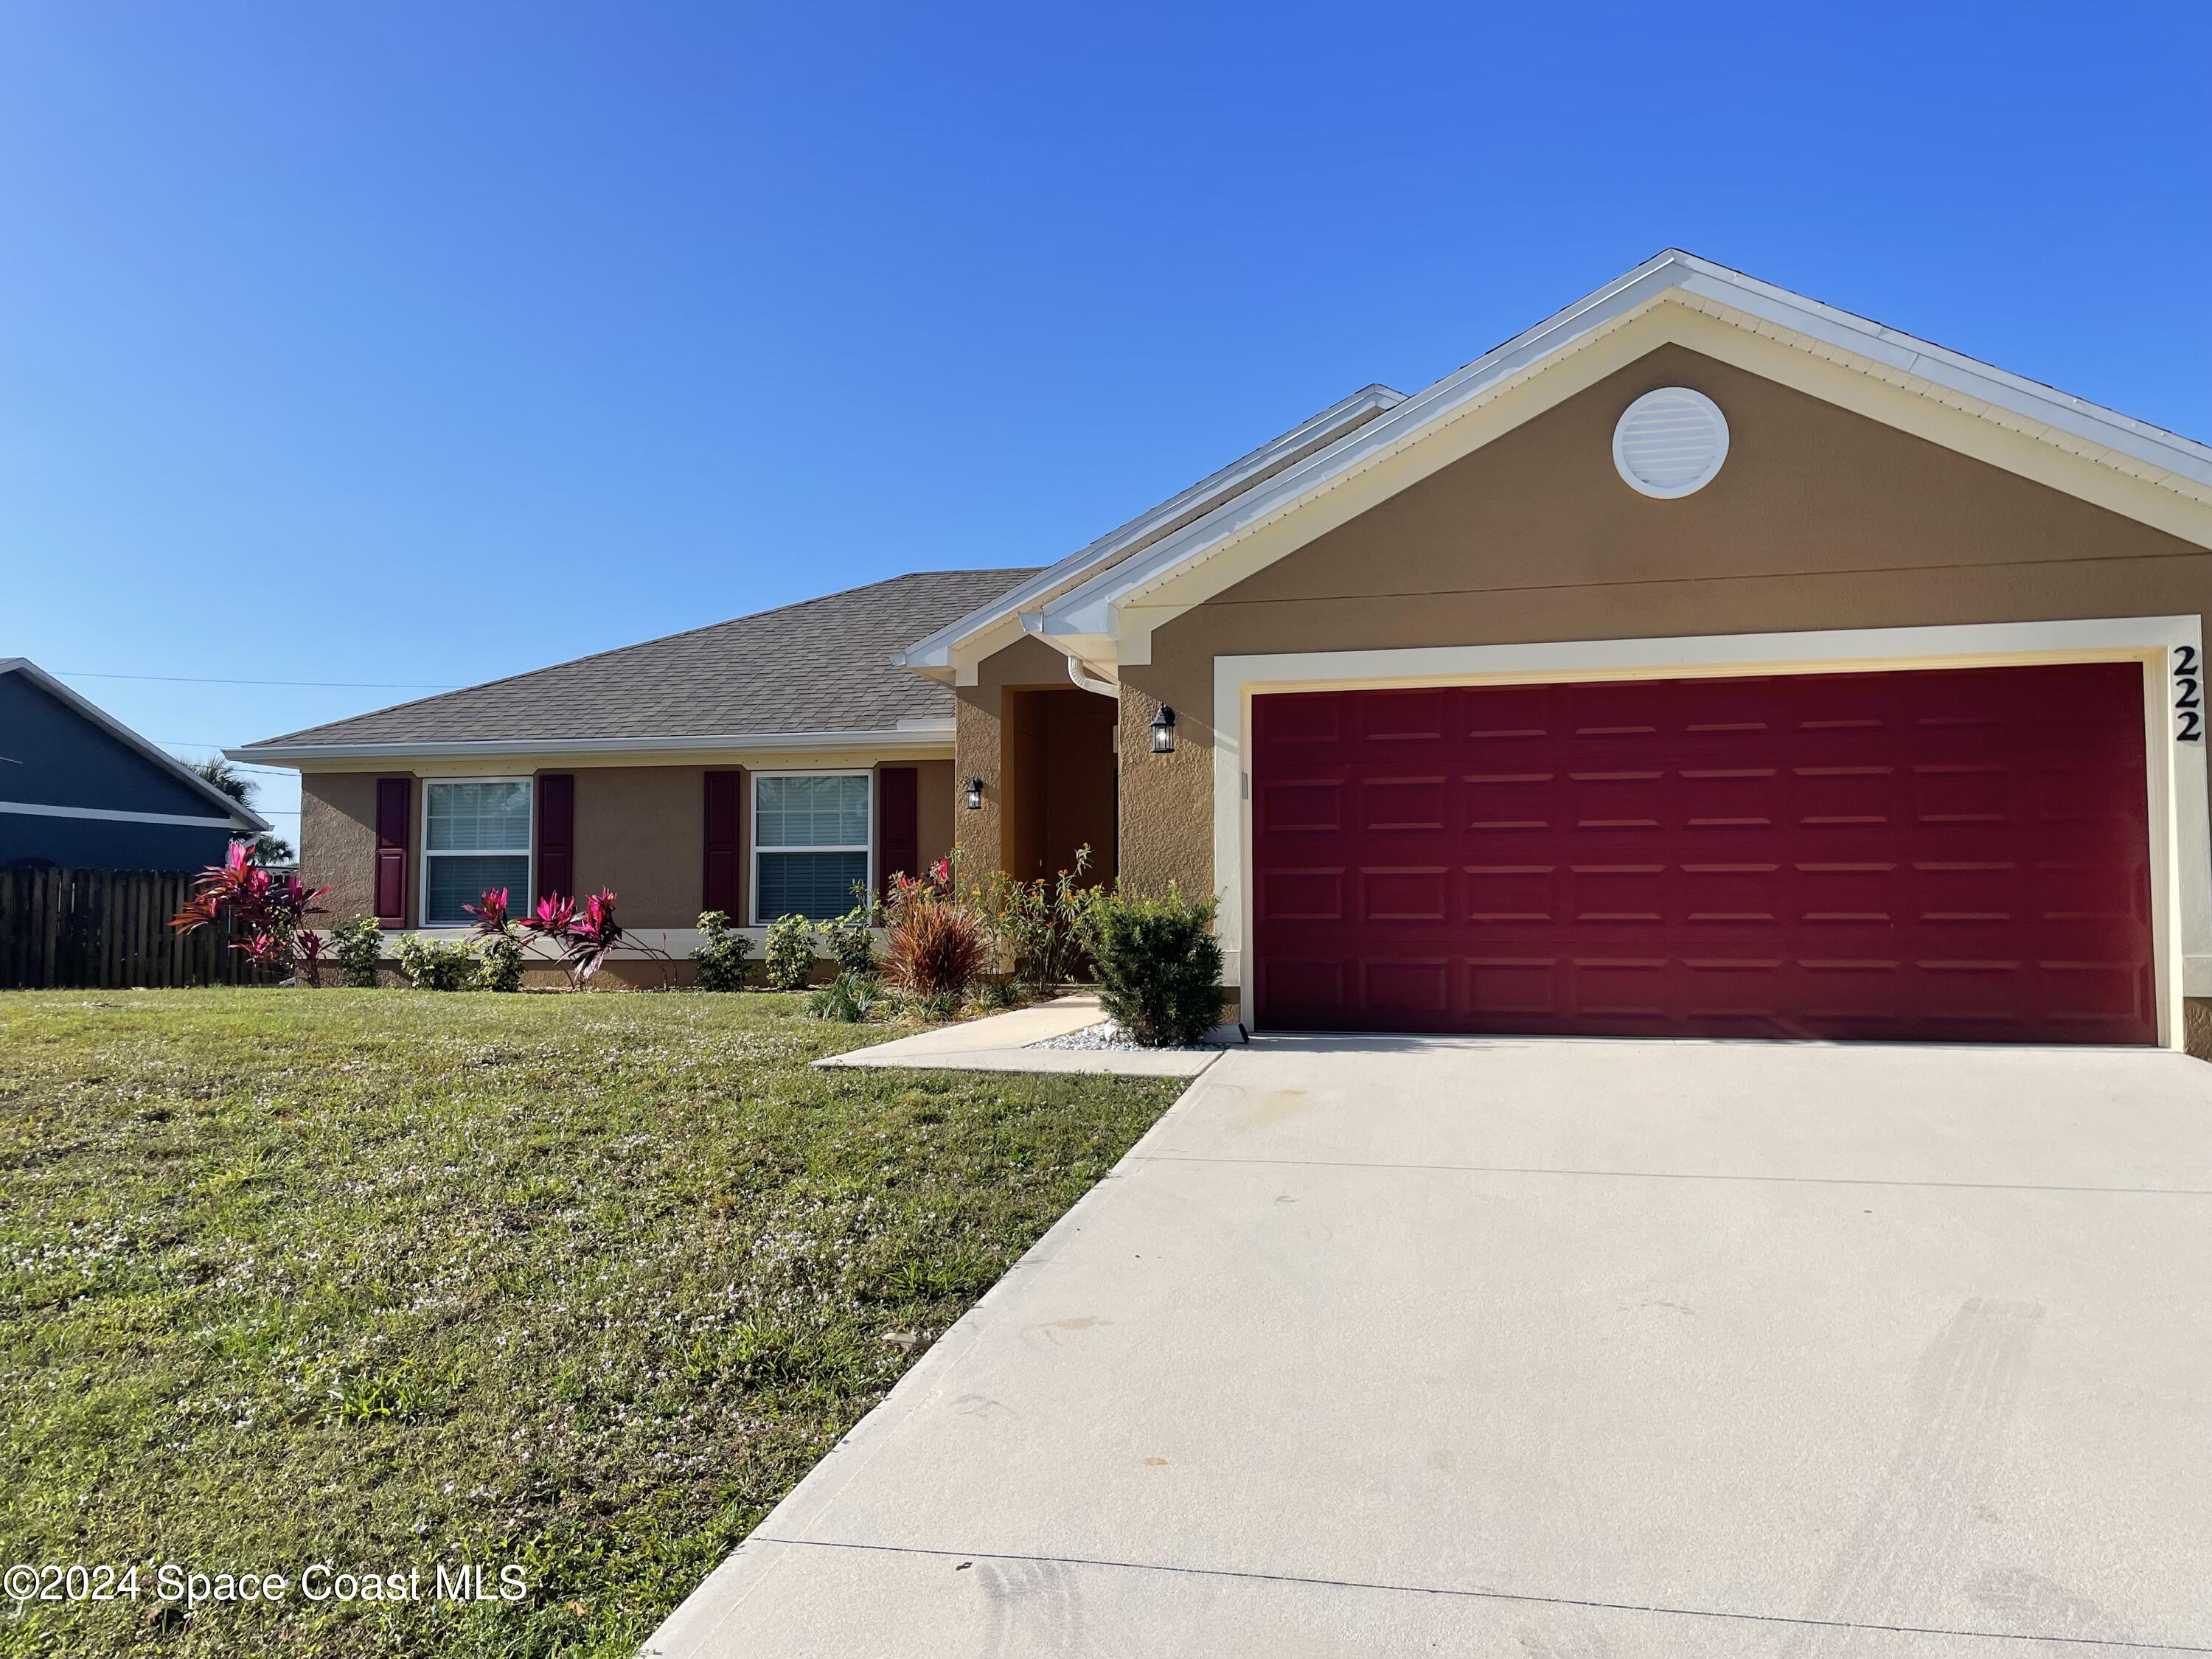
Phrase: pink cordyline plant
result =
(490, 912)
(551, 920)
(583, 935)
(593, 936)
(272, 908)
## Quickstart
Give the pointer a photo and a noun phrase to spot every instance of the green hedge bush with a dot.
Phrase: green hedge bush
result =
(1158, 964)
(437, 964)
(358, 947)
(790, 952)
(724, 955)
(498, 963)
(852, 946)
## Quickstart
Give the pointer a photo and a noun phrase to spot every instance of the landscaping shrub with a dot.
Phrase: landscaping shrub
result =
(1034, 927)
(272, 910)
(584, 931)
(497, 943)
(724, 955)
(360, 947)
(933, 1005)
(851, 946)
(499, 964)
(1158, 963)
(995, 995)
(937, 947)
(790, 952)
(849, 997)
(437, 964)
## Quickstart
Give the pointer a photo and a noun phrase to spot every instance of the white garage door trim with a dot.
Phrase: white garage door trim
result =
(2181, 835)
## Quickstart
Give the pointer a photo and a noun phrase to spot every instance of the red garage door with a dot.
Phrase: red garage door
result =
(1951, 855)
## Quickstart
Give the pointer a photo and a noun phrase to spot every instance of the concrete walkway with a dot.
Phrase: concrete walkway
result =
(1002, 1042)
(1577, 1350)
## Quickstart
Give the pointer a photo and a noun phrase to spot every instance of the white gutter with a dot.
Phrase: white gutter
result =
(1076, 672)
(897, 740)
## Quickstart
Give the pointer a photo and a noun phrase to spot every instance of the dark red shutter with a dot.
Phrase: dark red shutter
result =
(394, 796)
(557, 834)
(725, 795)
(899, 824)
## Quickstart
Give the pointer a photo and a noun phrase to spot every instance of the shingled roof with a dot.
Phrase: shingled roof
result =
(820, 665)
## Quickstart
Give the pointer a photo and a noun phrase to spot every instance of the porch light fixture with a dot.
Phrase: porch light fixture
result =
(975, 794)
(1163, 731)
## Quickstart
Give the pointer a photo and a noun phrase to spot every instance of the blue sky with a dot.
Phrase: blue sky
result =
(419, 344)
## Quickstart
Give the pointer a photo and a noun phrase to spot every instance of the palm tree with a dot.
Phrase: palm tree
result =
(218, 771)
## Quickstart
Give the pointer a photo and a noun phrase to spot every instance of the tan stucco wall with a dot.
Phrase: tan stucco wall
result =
(1167, 836)
(2197, 1027)
(337, 843)
(641, 831)
(646, 826)
(1821, 519)
(976, 743)
(934, 816)
(1024, 768)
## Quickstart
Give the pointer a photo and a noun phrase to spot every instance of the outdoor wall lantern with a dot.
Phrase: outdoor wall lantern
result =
(1163, 731)
(975, 794)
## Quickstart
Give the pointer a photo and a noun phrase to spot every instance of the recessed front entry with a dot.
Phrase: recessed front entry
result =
(1955, 854)
(1058, 794)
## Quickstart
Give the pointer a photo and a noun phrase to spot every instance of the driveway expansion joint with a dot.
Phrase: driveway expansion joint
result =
(1588, 1603)
(1670, 1174)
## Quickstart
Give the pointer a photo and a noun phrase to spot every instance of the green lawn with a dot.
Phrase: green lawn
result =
(392, 1279)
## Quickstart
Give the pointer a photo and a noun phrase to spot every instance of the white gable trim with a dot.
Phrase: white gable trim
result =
(993, 625)
(111, 815)
(2064, 440)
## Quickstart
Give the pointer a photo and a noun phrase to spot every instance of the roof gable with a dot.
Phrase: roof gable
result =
(135, 763)
(2129, 465)
(942, 654)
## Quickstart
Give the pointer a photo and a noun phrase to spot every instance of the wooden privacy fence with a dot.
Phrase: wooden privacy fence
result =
(108, 930)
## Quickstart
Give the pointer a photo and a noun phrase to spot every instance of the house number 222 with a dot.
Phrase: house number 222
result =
(2188, 695)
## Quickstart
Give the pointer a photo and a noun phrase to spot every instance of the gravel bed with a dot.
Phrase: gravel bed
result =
(1107, 1035)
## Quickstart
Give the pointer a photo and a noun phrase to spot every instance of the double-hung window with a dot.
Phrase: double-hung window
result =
(475, 836)
(810, 842)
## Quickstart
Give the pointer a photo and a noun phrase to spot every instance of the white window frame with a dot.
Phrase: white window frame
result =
(527, 900)
(752, 829)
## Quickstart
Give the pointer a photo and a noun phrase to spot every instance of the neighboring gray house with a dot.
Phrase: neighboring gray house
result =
(81, 790)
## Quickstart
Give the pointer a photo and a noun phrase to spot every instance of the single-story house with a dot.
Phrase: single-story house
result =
(79, 790)
(1704, 661)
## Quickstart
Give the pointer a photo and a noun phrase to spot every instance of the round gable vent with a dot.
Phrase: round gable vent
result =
(1671, 442)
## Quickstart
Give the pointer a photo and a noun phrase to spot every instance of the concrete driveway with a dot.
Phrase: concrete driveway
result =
(1573, 1350)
